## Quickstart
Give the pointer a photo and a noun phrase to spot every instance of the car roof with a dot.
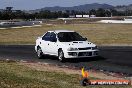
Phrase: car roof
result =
(58, 31)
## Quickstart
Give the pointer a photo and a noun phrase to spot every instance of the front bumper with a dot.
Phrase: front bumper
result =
(81, 53)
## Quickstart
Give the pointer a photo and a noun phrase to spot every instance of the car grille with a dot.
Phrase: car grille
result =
(87, 48)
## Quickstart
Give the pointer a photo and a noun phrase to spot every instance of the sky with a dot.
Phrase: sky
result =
(37, 4)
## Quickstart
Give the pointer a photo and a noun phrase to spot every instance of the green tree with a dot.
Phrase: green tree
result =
(100, 12)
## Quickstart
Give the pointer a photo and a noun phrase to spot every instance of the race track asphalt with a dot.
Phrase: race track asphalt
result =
(112, 58)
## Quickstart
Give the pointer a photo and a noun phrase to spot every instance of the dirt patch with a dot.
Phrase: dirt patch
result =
(67, 70)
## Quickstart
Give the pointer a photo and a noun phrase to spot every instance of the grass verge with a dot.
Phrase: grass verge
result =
(14, 75)
(100, 34)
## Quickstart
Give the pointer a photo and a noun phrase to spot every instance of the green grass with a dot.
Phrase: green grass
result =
(13, 75)
(97, 33)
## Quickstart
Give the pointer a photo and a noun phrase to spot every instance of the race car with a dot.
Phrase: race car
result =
(65, 44)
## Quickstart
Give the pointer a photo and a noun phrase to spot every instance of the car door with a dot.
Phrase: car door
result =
(52, 45)
(45, 43)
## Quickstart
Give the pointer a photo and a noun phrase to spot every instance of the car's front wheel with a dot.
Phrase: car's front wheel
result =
(61, 56)
(39, 53)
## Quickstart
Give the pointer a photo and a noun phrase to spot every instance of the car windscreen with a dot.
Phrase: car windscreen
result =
(70, 36)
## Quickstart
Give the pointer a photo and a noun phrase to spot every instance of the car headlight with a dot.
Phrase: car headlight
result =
(93, 48)
(72, 49)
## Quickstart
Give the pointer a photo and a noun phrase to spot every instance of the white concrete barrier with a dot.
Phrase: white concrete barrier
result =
(115, 21)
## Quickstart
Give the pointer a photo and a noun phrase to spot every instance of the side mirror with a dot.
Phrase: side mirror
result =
(85, 38)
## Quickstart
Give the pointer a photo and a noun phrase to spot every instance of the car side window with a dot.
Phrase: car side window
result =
(46, 37)
(53, 37)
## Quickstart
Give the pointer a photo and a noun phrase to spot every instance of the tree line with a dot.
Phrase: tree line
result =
(8, 14)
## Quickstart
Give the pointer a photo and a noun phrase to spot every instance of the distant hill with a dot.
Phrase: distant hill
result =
(85, 7)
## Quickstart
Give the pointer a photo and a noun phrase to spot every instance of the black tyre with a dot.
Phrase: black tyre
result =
(61, 56)
(39, 53)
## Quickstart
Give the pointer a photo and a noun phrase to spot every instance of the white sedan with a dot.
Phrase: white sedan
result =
(65, 44)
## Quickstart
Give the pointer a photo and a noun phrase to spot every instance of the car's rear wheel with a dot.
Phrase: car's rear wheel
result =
(39, 53)
(61, 56)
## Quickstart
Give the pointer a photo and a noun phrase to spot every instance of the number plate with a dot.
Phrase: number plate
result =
(87, 54)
